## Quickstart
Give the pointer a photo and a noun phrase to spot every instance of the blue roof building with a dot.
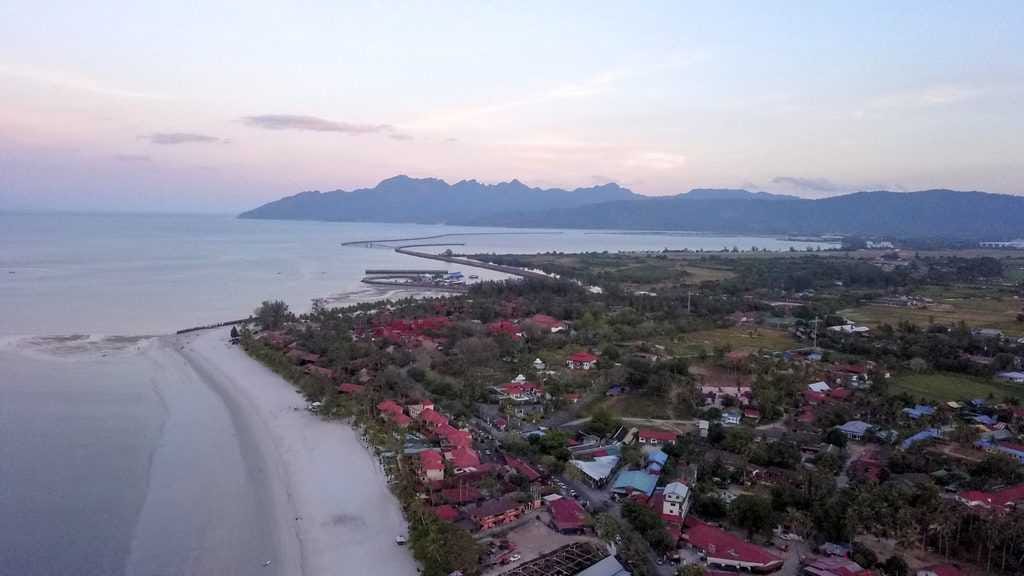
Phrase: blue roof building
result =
(630, 481)
(926, 434)
(656, 461)
(919, 411)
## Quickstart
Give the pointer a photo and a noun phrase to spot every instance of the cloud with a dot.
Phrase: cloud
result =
(132, 158)
(71, 81)
(174, 138)
(314, 124)
(929, 97)
(400, 136)
(655, 160)
(808, 184)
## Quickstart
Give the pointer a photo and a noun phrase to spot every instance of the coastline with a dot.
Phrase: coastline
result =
(331, 502)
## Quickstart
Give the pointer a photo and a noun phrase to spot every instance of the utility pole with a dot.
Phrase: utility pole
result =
(688, 294)
(815, 332)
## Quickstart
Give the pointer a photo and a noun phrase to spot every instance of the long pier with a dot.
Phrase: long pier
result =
(473, 263)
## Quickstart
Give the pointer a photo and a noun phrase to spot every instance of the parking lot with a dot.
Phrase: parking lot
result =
(534, 539)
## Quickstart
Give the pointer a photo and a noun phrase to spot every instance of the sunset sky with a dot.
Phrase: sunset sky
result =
(213, 107)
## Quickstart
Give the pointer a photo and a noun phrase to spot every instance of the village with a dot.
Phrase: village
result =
(537, 427)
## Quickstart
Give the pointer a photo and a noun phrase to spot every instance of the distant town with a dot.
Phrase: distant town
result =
(842, 413)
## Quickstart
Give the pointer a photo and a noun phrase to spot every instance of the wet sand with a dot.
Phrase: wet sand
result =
(179, 455)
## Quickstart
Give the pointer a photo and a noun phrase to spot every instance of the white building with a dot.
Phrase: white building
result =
(676, 501)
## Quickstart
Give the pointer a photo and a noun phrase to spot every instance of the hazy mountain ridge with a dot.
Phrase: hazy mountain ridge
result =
(925, 214)
(430, 200)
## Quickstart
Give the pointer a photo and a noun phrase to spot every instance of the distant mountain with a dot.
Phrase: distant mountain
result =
(732, 194)
(429, 200)
(925, 214)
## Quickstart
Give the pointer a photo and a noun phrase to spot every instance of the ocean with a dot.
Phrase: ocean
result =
(116, 456)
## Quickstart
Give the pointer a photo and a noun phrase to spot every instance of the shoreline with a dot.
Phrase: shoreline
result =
(331, 500)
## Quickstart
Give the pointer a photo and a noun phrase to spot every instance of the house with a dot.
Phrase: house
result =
(821, 387)
(431, 466)
(923, 435)
(675, 500)
(656, 461)
(834, 566)
(432, 419)
(446, 513)
(546, 323)
(463, 458)
(940, 570)
(581, 361)
(724, 550)
(497, 512)
(751, 413)
(301, 357)
(840, 394)
(417, 407)
(1014, 377)
(731, 417)
(567, 516)
(349, 388)
(634, 482)
(655, 437)
(1002, 500)
(1015, 451)
(392, 412)
(453, 437)
(522, 391)
(856, 429)
(849, 329)
(506, 328)
(919, 411)
(461, 495)
(522, 468)
(597, 471)
(539, 364)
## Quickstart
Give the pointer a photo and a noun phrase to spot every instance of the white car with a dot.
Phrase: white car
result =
(515, 558)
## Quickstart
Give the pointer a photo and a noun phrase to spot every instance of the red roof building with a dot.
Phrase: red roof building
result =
(840, 393)
(522, 468)
(432, 418)
(461, 495)
(940, 570)
(567, 516)
(505, 327)
(1000, 500)
(522, 391)
(497, 512)
(835, 566)
(464, 457)
(581, 361)
(318, 371)
(431, 466)
(726, 550)
(446, 513)
(390, 407)
(546, 322)
(349, 388)
(655, 437)
(452, 436)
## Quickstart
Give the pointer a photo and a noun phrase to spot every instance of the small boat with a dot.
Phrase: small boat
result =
(401, 540)
(474, 277)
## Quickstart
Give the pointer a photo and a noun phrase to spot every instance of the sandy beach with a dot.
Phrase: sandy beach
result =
(334, 511)
(179, 455)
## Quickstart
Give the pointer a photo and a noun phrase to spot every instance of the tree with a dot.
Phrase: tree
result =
(754, 513)
(836, 437)
(234, 332)
(272, 314)
(602, 423)
(863, 555)
(895, 566)
(691, 570)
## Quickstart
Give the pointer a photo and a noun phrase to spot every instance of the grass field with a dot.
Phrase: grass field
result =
(747, 339)
(946, 386)
(977, 307)
(634, 406)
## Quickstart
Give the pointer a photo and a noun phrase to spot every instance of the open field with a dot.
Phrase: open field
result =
(946, 386)
(738, 338)
(977, 307)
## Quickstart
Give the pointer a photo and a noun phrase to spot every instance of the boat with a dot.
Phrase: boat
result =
(401, 540)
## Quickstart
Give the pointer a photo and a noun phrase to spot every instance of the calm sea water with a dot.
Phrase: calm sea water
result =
(124, 462)
(150, 274)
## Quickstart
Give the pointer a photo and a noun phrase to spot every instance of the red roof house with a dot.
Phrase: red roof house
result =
(433, 418)
(940, 570)
(522, 468)
(390, 407)
(546, 322)
(505, 327)
(464, 457)
(727, 550)
(431, 466)
(581, 361)
(1000, 500)
(655, 437)
(835, 566)
(446, 512)
(349, 388)
(567, 516)
(522, 391)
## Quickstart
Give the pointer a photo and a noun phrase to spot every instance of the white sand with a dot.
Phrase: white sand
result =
(335, 511)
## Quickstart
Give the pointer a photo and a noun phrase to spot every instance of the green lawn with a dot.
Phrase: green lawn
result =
(745, 338)
(946, 386)
(978, 308)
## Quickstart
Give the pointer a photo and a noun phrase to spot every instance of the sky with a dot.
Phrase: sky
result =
(219, 107)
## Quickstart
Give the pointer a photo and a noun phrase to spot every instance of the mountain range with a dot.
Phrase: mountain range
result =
(924, 214)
